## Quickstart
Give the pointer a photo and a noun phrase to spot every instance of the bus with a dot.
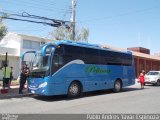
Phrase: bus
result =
(72, 68)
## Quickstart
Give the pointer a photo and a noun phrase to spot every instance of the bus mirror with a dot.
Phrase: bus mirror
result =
(47, 47)
(23, 55)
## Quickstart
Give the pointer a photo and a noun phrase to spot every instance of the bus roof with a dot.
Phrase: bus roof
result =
(82, 44)
(87, 45)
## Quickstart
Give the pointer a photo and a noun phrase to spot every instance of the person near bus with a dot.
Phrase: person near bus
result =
(6, 76)
(27, 73)
(141, 79)
(23, 78)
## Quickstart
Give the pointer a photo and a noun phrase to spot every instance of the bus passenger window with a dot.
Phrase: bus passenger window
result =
(58, 60)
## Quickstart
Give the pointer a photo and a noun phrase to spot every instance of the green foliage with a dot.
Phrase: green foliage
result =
(3, 29)
(62, 33)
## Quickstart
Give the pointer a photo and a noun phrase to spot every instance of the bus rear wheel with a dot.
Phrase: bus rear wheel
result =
(74, 90)
(117, 86)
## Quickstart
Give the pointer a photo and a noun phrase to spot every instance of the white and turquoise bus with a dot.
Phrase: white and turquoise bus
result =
(71, 68)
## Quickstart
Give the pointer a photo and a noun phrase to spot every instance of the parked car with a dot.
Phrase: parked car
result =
(153, 77)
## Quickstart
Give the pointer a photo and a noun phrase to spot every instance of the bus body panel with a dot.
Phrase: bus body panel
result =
(34, 83)
(92, 77)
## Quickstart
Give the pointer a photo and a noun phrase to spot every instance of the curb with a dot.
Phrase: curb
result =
(12, 84)
(14, 93)
(8, 96)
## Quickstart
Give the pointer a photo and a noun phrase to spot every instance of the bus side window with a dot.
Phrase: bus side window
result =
(58, 60)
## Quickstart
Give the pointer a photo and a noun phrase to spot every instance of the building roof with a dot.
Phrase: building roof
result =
(136, 54)
(142, 55)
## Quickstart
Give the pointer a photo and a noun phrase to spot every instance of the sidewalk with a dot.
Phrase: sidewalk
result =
(13, 93)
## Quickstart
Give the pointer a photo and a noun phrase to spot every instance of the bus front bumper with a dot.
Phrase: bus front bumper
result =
(40, 89)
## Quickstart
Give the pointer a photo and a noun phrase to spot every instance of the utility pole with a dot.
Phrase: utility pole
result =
(73, 19)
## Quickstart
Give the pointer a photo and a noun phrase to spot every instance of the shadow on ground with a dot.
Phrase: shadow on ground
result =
(13, 93)
(87, 94)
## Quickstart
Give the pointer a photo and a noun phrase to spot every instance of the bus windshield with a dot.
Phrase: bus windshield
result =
(40, 66)
(41, 62)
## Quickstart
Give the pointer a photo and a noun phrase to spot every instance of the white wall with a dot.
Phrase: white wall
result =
(12, 43)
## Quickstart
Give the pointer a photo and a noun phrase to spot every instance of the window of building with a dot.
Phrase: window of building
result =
(42, 43)
(27, 44)
(35, 45)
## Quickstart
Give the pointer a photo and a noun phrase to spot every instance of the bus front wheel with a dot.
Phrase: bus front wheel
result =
(117, 86)
(74, 90)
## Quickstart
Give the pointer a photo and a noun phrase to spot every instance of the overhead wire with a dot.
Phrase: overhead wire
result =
(41, 5)
(44, 5)
(55, 22)
(44, 2)
(120, 15)
(67, 12)
(37, 7)
(34, 5)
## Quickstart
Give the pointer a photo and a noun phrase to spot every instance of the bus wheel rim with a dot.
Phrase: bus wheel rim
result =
(117, 86)
(74, 89)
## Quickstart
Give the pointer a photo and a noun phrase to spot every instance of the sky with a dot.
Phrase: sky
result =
(118, 23)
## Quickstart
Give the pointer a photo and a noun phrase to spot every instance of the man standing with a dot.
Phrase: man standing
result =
(6, 76)
(23, 77)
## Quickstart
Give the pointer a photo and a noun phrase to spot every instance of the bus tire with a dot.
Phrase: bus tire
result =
(117, 86)
(74, 90)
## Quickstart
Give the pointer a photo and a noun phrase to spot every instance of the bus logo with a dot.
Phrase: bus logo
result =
(97, 70)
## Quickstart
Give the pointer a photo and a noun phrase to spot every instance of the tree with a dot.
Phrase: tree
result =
(62, 33)
(3, 29)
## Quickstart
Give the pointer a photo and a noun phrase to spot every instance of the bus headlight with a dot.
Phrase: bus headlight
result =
(42, 85)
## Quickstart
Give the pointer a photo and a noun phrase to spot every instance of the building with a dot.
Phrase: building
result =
(144, 61)
(15, 45)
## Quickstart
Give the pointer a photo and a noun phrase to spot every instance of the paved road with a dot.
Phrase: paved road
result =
(131, 100)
